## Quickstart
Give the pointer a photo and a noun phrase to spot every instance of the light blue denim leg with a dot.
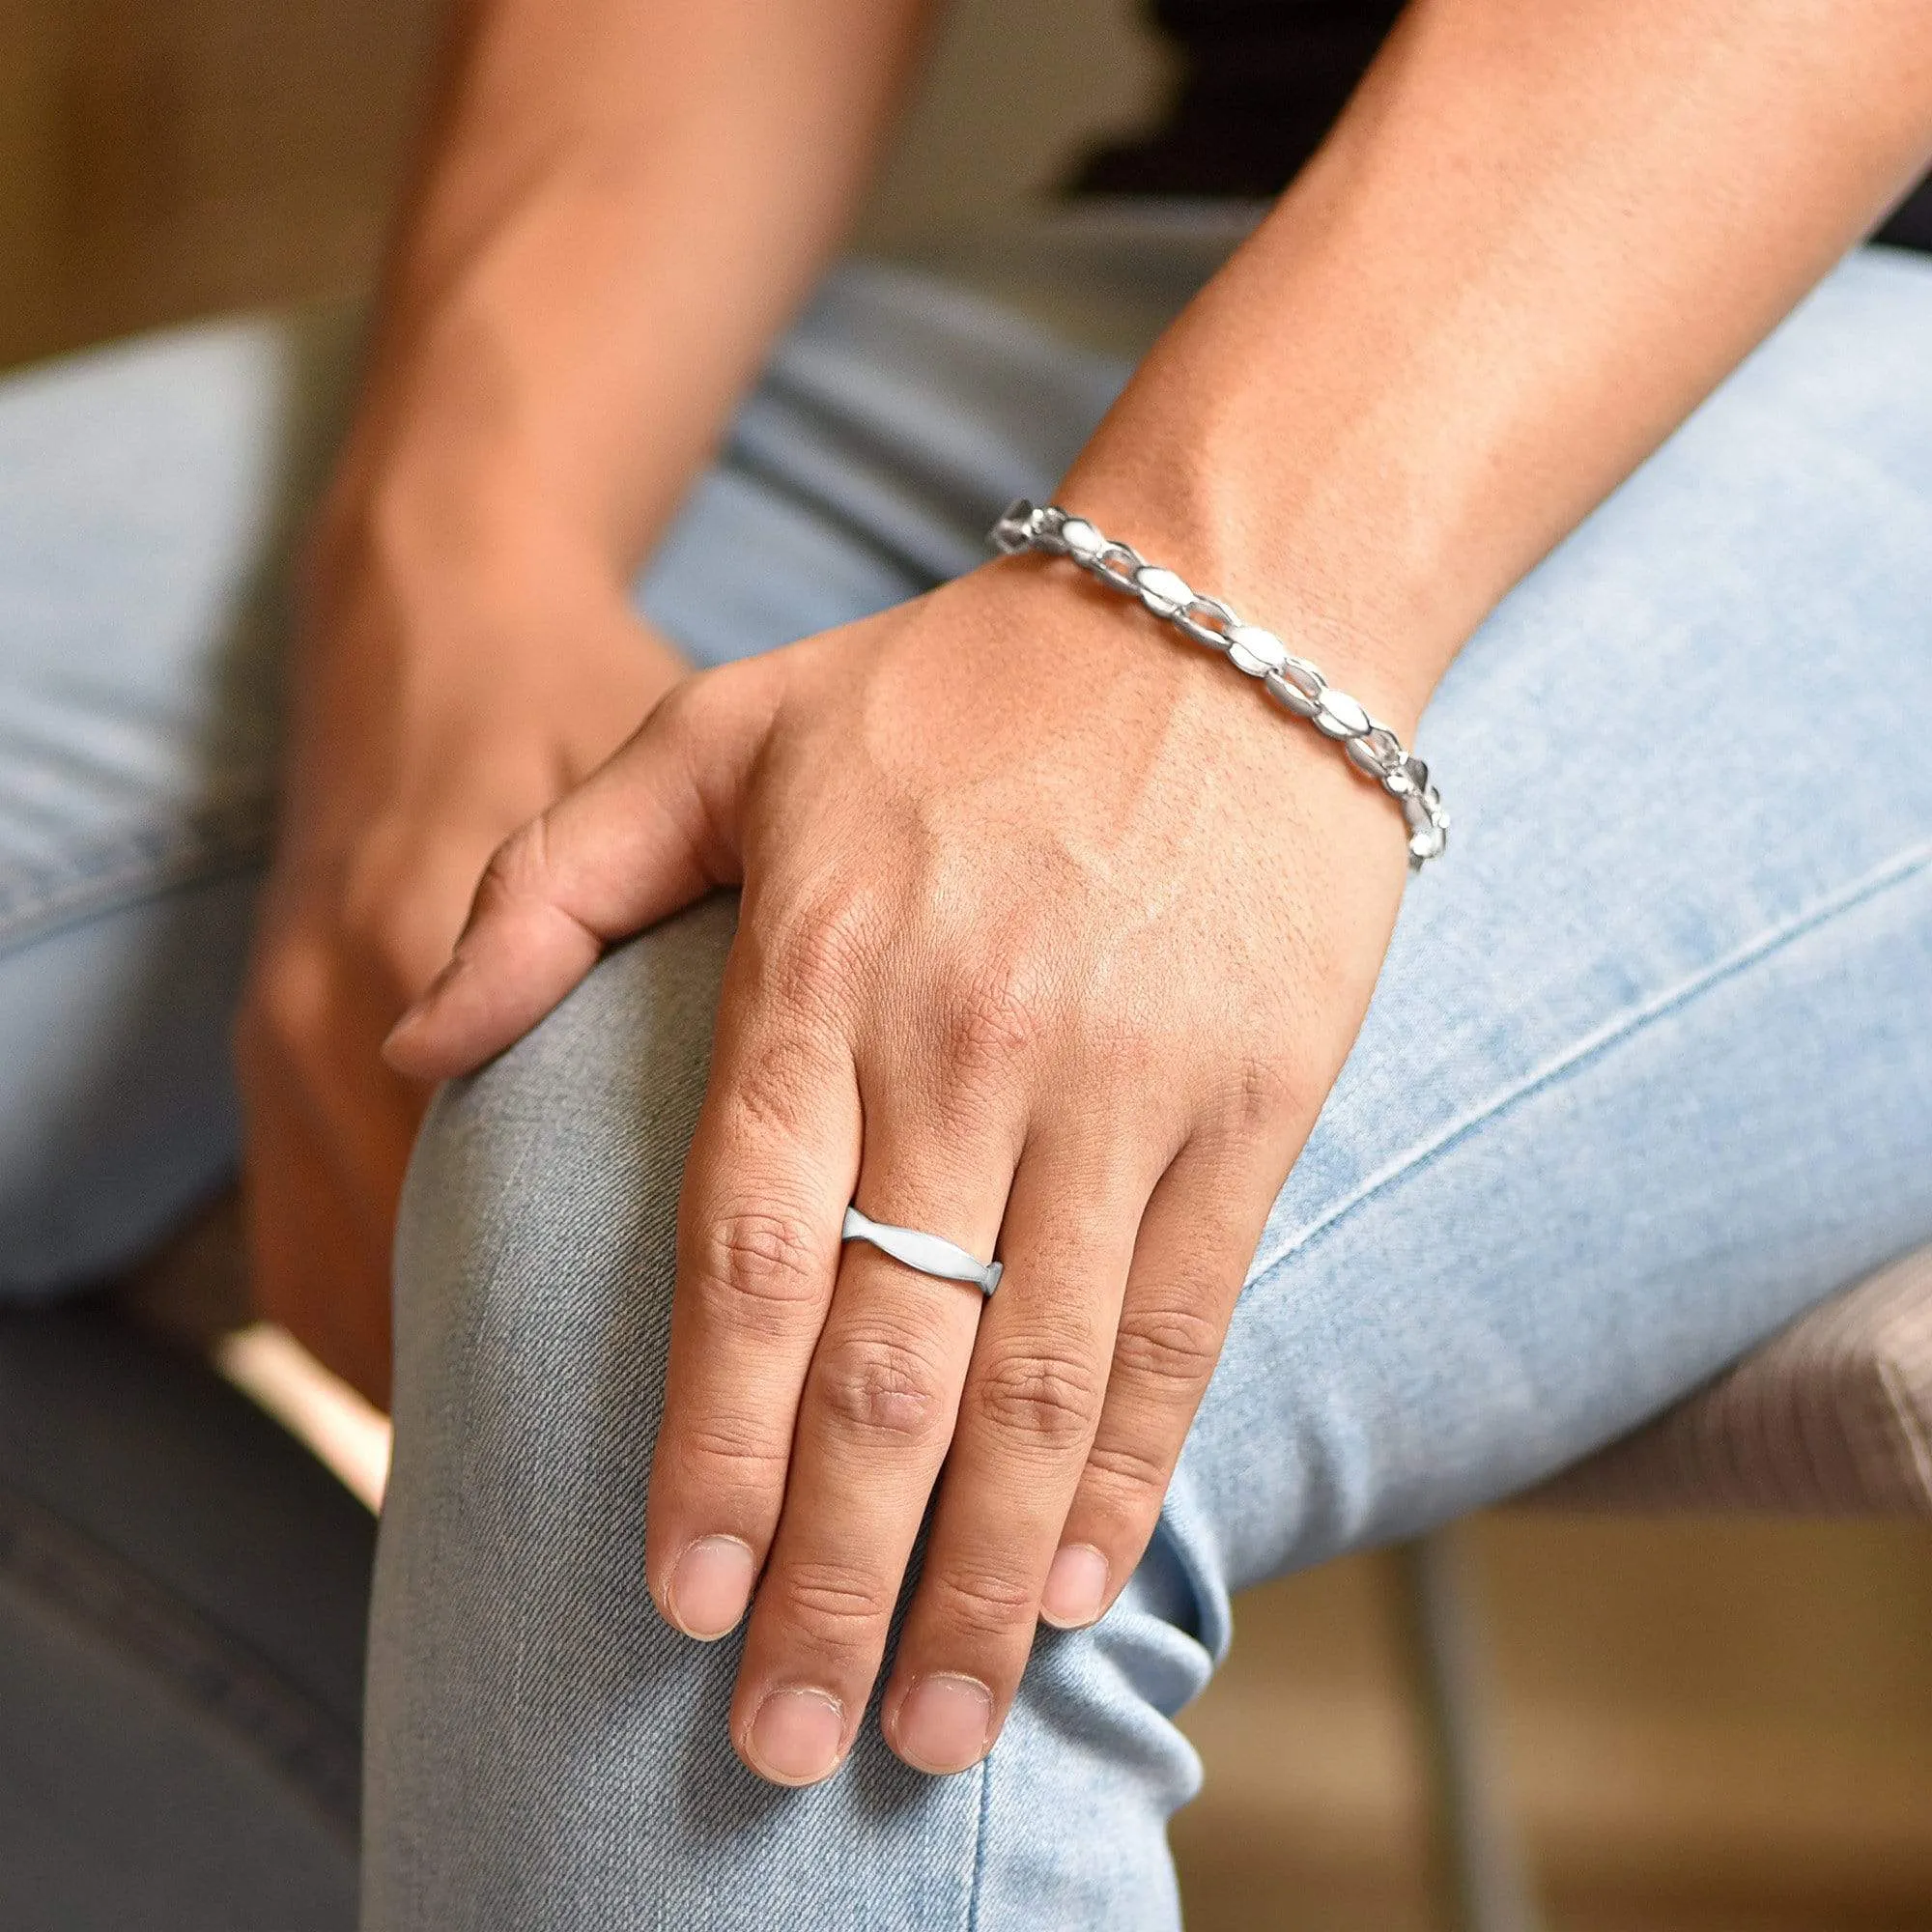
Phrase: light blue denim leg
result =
(147, 498)
(1650, 1069)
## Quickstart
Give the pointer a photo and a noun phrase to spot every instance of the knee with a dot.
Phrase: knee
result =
(534, 1252)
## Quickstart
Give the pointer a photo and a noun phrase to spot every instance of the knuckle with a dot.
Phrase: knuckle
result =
(289, 1001)
(741, 1446)
(879, 1387)
(519, 869)
(1129, 1470)
(992, 1018)
(1170, 1348)
(832, 1604)
(758, 1267)
(980, 1603)
(1051, 1399)
(775, 1096)
(816, 960)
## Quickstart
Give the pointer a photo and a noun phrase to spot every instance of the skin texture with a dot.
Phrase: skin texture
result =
(587, 253)
(424, 727)
(1072, 969)
(1055, 1007)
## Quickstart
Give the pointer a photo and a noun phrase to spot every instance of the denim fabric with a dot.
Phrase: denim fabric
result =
(182, 1600)
(148, 496)
(1647, 1072)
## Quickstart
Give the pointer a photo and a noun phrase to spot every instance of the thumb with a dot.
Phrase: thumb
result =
(649, 831)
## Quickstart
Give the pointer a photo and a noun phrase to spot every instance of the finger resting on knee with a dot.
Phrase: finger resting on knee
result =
(874, 1424)
(1031, 1400)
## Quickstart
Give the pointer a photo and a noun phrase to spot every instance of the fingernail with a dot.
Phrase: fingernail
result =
(710, 1586)
(403, 1026)
(794, 1737)
(1076, 1586)
(424, 1002)
(943, 1723)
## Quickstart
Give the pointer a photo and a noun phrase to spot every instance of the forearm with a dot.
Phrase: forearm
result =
(1544, 231)
(622, 202)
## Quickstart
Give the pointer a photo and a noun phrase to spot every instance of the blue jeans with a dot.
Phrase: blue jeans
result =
(1649, 1070)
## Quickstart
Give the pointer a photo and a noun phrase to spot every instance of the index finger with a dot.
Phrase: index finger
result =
(652, 829)
(771, 1167)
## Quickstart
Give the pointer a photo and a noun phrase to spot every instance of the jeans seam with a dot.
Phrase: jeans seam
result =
(976, 1883)
(1901, 870)
(751, 454)
(135, 868)
(194, 1658)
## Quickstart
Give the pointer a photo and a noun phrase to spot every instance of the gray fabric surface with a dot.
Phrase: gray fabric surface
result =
(181, 1593)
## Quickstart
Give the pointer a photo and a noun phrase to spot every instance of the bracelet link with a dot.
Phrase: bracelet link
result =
(1370, 746)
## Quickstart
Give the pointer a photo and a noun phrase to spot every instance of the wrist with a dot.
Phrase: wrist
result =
(432, 686)
(431, 536)
(1370, 743)
(1310, 572)
(430, 602)
(424, 501)
(1310, 490)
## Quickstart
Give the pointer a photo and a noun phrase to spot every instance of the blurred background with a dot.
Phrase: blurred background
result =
(1720, 1727)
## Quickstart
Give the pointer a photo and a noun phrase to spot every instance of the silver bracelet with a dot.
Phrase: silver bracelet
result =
(1372, 747)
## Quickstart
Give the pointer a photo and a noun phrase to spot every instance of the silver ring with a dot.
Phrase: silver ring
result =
(926, 1253)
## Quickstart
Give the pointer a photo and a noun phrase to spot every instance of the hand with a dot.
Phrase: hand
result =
(1054, 933)
(434, 712)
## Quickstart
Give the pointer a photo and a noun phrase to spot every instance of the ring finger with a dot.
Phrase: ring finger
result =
(1197, 1240)
(873, 1428)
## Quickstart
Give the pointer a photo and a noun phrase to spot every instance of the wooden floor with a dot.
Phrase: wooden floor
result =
(1709, 1726)
(1710, 1729)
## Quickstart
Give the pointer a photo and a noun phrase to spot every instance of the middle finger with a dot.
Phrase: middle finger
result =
(1031, 1401)
(873, 1426)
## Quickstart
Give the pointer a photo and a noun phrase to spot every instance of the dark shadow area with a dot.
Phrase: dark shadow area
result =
(181, 1606)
